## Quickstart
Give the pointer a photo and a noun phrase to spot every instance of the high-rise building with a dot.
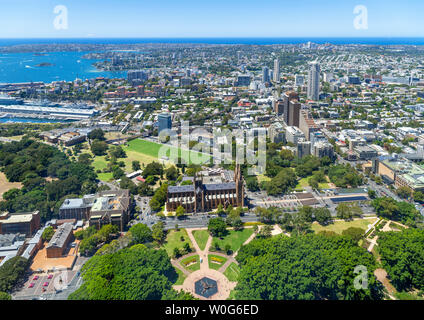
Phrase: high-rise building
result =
(293, 113)
(276, 74)
(313, 81)
(306, 123)
(287, 98)
(242, 81)
(299, 80)
(293, 135)
(303, 148)
(136, 75)
(164, 122)
(265, 75)
(278, 107)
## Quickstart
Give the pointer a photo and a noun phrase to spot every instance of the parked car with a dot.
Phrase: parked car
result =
(50, 276)
(45, 284)
(31, 285)
(35, 278)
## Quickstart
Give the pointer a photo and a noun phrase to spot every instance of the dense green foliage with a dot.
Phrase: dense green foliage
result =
(141, 233)
(398, 211)
(159, 198)
(217, 227)
(91, 241)
(5, 296)
(305, 267)
(402, 255)
(11, 272)
(19, 163)
(48, 233)
(344, 176)
(135, 273)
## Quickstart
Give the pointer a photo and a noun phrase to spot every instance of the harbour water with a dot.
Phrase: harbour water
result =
(66, 66)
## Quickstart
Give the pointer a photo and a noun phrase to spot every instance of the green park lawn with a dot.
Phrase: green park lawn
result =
(304, 183)
(191, 267)
(213, 265)
(173, 240)
(152, 149)
(145, 152)
(201, 237)
(339, 226)
(232, 272)
(234, 238)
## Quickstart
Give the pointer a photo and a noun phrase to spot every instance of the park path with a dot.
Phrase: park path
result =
(224, 285)
(203, 254)
(381, 276)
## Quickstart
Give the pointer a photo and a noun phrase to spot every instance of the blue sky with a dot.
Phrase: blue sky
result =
(218, 18)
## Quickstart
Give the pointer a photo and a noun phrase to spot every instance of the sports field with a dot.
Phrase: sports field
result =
(158, 151)
(146, 152)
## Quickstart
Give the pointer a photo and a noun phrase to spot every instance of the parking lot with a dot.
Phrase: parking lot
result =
(41, 284)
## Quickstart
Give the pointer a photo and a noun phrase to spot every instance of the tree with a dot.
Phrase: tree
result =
(135, 273)
(118, 173)
(252, 184)
(372, 194)
(398, 211)
(141, 233)
(180, 212)
(187, 247)
(402, 256)
(403, 192)
(344, 211)
(418, 196)
(217, 227)
(176, 253)
(5, 296)
(117, 152)
(11, 272)
(171, 173)
(47, 233)
(265, 232)
(322, 216)
(96, 134)
(136, 165)
(309, 267)
(153, 169)
(158, 232)
(99, 148)
(354, 233)
(307, 213)
(85, 158)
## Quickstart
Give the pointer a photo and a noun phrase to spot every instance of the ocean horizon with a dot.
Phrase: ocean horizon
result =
(220, 40)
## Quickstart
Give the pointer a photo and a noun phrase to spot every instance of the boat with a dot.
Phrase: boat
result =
(8, 101)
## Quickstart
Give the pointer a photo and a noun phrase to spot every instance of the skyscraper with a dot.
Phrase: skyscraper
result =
(164, 122)
(313, 81)
(294, 113)
(288, 97)
(265, 75)
(276, 74)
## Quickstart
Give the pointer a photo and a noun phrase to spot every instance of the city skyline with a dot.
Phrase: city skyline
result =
(139, 19)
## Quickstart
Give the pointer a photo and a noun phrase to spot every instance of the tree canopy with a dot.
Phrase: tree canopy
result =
(402, 255)
(135, 273)
(304, 267)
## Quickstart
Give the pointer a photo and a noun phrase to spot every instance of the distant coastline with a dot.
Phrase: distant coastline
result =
(221, 40)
